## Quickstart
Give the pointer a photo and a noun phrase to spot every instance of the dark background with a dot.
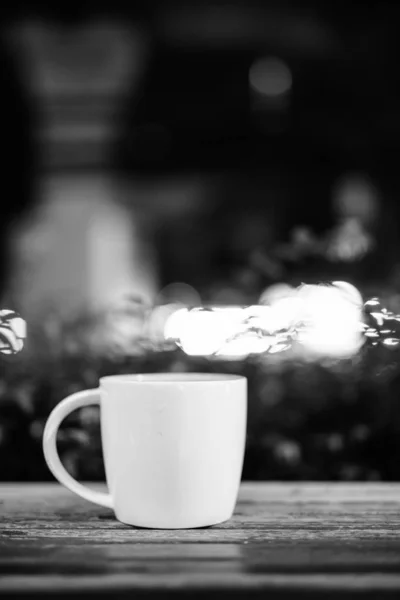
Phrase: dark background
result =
(249, 168)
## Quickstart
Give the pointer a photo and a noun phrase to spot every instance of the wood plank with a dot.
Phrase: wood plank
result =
(283, 538)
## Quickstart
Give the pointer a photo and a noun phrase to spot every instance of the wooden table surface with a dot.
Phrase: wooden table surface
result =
(284, 541)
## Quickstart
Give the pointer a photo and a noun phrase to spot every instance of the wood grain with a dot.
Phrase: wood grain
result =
(289, 540)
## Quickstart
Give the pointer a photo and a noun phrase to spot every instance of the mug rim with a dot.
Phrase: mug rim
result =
(172, 378)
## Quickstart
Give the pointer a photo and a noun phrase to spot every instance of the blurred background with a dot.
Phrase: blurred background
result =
(204, 152)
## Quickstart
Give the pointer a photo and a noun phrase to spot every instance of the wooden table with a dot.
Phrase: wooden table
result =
(285, 541)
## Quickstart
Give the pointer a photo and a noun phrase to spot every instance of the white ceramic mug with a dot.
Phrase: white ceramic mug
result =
(173, 447)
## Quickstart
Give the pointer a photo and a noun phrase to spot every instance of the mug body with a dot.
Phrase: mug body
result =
(173, 447)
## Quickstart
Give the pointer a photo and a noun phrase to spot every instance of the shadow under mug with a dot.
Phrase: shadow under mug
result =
(173, 447)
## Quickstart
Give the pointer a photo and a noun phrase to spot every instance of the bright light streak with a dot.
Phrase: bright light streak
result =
(332, 322)
(175, 324)
(286, 313)
(205, 332)
(349, 291)
(243, 347)
(326, 320)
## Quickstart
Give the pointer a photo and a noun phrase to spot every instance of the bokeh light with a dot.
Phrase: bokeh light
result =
(178, 292)
(270, 77)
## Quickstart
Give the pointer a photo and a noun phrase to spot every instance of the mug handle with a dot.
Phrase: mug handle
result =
(62, 410)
